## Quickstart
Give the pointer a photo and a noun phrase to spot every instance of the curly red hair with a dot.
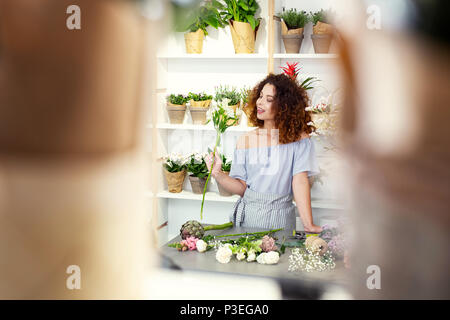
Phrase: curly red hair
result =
(290, 101)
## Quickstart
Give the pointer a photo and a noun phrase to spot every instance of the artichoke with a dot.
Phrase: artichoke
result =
(195, 229)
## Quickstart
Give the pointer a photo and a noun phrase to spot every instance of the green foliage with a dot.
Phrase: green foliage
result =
(220, 118)
(226, 166)
(172, 166)
(197, 169)
(177, 99)
(324, 16)
(231, 94)
(307, 83)
(199, 17)
(242, 11)
(295, 19)
(245, 94)
(199, 96)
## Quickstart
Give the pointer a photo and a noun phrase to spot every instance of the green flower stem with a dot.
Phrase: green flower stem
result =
(261, 233)
(218, 226)
(209, 175)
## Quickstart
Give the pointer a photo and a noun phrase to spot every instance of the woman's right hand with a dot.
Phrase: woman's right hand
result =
(217, 163)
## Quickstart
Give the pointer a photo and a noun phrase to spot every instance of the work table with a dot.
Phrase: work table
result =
(206, 261)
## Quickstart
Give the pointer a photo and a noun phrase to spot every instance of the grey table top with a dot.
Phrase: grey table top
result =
(206, 261)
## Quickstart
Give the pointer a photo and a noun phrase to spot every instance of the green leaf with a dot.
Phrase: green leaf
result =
(252, 21)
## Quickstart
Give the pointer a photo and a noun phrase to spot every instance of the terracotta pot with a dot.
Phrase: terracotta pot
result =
(292, 42)
(194, 41)
(204, 104)
(176, 112)
(235, 107)
(175, 180)
(197, 184)
(321, 42)
(222, 191)
(198, 114)
(243, 37)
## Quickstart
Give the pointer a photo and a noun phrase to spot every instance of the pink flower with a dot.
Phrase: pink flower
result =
(268, 244)
(191, 243)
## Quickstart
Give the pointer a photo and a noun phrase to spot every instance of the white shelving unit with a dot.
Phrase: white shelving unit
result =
(179, 72)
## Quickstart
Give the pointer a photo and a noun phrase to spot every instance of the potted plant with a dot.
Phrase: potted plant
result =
(199, 105)
(245, 96)
(323, 30)
(324, 115)
(176, 107)
(196, 21)
(198, 171)
(292, 24)
(232, 94)
(175, 171)
(292, 71)
(241, 16)
(226, 167)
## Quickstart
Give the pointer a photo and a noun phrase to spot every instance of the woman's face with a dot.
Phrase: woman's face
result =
(264, 103)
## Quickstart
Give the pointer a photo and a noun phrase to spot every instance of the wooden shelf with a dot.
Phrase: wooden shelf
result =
(171, 126)
(214, 56)
(305, 56)
(188, 195)
(214, 196)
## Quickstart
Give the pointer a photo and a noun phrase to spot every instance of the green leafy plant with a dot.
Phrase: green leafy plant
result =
(177, 99)
(324, 16)
(199, 96)
(245, 94)
(292, 71)
(295, 19)
(226, 165)
(175, 163)
(241, 11)
(196, 165)
(201, 17)
(225, 92)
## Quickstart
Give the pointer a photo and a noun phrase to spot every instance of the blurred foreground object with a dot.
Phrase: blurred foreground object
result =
(71, 166)
(397, 140)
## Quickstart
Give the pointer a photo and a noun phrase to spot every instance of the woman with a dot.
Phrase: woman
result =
(271, 164)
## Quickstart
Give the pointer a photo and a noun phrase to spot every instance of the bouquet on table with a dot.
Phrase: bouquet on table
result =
(256, 246)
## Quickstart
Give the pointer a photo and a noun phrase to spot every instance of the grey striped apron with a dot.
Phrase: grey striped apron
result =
(264, 210)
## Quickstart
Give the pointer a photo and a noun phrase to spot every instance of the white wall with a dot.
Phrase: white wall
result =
(181, 75)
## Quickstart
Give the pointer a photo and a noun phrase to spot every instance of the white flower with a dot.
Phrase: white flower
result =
(201, 245)
(251, 256)
(223, 255)
(270, 257)
(241, 254)
(261, 258)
